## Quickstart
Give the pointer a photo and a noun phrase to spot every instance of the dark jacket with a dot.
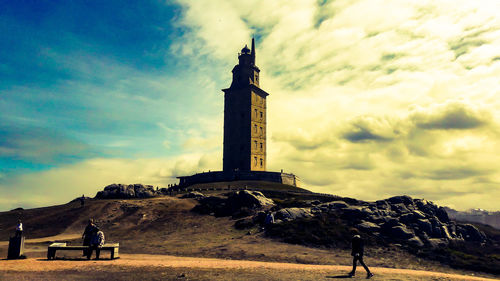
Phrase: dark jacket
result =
(87, 234)
(357, 245)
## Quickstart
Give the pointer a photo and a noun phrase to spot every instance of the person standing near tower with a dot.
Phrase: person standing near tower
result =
(19, 229)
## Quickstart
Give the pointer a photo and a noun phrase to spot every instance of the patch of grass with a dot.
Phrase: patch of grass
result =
(470, 256)
(316, 231)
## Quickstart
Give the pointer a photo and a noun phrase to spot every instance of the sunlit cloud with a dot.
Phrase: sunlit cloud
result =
(374, 98)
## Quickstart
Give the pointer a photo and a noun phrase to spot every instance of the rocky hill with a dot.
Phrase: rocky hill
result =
(217, 222)
(416, 225)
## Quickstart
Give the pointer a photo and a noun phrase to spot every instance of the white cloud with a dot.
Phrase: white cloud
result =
(368, 98)
(372, 98)
(62, 184)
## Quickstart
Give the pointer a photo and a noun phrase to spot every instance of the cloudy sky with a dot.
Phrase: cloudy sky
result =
(368, 98)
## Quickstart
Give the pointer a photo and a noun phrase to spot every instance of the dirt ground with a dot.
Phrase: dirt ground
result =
(164, 267)
(161, 239)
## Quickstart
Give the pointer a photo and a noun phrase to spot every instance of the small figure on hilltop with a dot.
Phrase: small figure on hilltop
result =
(357, 254)
(96, 243)
(19, 229)
(87, 235)
(82, 200)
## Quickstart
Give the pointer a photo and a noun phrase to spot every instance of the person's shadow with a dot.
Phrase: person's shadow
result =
(340, 276)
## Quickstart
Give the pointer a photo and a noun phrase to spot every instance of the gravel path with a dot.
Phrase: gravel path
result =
(159, 261)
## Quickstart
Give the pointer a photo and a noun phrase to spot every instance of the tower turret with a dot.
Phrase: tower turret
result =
(253, 51)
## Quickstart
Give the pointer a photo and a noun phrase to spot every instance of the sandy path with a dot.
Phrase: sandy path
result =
(34, 265)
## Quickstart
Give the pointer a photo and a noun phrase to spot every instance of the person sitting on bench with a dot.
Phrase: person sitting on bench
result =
(87, 235)
(96, 243)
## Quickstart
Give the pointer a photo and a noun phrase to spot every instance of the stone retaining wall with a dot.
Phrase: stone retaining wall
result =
(220, 176)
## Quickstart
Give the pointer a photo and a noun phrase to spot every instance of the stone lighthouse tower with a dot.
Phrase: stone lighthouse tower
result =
(244, 156)
(245, 117)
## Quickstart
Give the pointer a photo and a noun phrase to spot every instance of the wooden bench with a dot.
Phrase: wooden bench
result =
(111, 247)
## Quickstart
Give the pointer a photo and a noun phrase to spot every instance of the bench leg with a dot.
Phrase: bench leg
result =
(51, 254)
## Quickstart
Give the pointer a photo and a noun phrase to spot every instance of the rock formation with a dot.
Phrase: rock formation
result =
(122, 191)
(236, 204)
(402, 219)
(399, 219)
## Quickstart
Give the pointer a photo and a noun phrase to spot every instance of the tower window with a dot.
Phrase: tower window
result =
(255, 126)
(255, 145)
(261, 131)
(255, 113)
(261, 115)
(255, 161)
(261, 147)
(261, 162)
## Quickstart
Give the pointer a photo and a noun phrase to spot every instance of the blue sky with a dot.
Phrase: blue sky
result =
(369, 98)
(90, 79)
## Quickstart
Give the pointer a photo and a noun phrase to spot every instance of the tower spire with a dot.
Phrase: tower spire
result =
(253, 51)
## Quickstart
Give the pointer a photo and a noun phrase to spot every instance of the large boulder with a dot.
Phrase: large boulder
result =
(383, 204)
(426, 207)
(407, 218)
(436, 243)
(290, 214)
(193, 194)
(333, 206)
(425, 226)
(213, 205)
(144, 191)
(442, 215)
(401, 232)
(356, 213)
(249, 199)
(418, 214)
(415, 242)
(380, 220)
(391, 222)
(337, 204)
(436, 228)
(452, 228)
(406, 200)
(445, 233)
(122, 191)
(400, 208)
(470, 233)
(367, 226)
(237, 204)
(412, 217)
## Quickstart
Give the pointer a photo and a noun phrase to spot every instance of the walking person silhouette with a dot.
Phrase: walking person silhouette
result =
(357, 254)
